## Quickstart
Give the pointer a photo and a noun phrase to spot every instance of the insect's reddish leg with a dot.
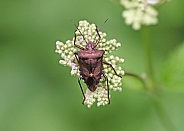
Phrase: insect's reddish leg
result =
(112, 68)
(81, 90)
(98, 38)
(75, 37)
(106, 78)
(76, 56)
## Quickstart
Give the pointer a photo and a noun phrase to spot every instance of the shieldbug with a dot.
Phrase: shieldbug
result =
(90, 61)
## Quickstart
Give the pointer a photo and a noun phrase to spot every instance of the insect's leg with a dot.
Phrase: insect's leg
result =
(75, 37)
(81, 90)
(98, 38)
(106, 78)
(76, 57)
(111, 67)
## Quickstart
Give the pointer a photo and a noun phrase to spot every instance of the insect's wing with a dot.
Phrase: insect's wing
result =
(98, 69)
(84, 69)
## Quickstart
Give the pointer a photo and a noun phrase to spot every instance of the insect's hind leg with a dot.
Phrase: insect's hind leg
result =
(75, 37)
(112, 68)
(81, 90)
(106, 78)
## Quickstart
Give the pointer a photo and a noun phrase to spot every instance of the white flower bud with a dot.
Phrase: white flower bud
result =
(153, 2)
(111, 57)
(62, 62)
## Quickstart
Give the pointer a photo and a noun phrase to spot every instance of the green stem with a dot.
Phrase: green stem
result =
(137, 77)
(148, 61)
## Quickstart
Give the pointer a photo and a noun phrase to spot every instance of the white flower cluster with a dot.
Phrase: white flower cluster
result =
(100, 94)
(67, 54)
(140, 12)
(67, 51)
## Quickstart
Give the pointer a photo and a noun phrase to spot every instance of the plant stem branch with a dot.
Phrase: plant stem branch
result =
(137, 77)
(148, 60)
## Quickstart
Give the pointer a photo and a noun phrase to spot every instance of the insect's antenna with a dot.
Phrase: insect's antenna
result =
(77, 29)
(102, 26)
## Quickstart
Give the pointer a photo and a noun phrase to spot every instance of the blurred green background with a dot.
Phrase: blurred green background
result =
(38, 94)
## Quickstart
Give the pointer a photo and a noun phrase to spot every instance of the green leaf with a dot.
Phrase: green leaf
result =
(172, 74)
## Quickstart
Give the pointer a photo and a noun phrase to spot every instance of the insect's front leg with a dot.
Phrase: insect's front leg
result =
(75, 37)
(81, 90)
(106, 78)
(98, 38)
(112, 68)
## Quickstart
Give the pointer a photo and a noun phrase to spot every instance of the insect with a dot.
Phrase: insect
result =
(90, 61)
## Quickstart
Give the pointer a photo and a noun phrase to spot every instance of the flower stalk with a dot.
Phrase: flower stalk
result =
(150, 81)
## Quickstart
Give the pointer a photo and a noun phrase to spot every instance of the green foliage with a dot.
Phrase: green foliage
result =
(173, 69)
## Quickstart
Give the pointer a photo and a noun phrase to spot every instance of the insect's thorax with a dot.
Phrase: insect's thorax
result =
(90, 54)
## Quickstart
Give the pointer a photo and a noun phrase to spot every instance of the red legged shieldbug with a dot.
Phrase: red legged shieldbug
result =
(90, 61)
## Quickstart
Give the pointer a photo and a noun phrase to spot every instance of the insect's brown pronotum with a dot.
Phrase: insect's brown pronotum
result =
(90, 61)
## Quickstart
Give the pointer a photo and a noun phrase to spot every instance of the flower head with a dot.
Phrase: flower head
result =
(140, 12)
(67, 50)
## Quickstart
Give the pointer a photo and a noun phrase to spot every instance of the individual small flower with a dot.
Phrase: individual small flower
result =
(152, 2)
(140, 12)
(67, 50)
(155, 2)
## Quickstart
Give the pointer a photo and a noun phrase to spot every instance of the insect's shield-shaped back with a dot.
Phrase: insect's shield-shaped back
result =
(67, 51)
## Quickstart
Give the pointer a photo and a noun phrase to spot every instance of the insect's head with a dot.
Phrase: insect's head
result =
(90, 45)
